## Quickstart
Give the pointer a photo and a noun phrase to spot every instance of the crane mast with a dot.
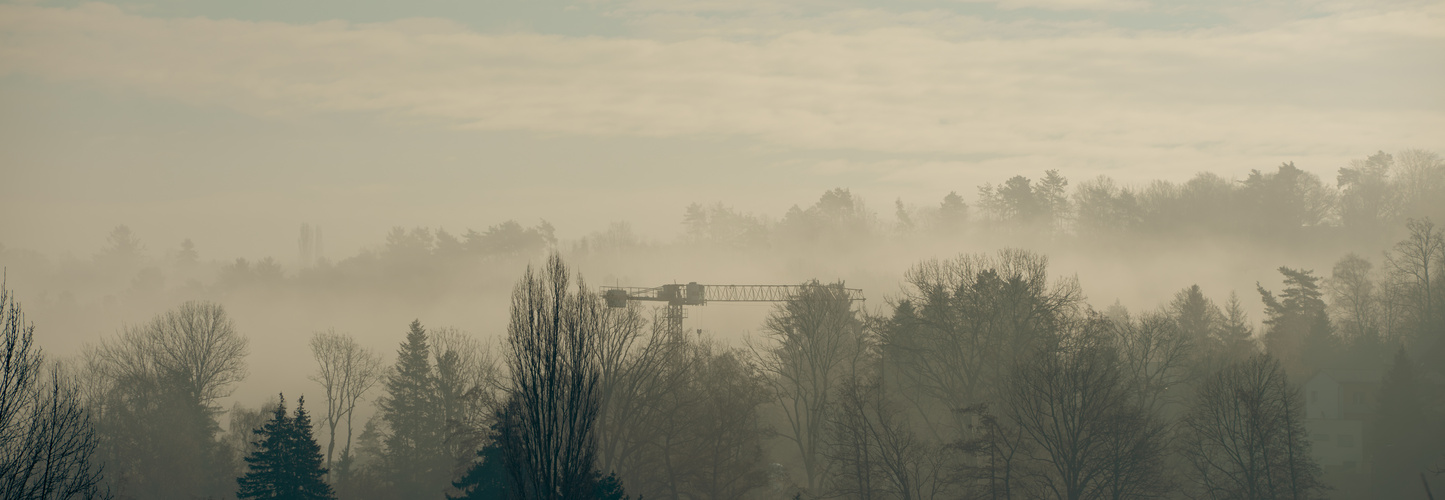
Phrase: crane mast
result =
(694, 294)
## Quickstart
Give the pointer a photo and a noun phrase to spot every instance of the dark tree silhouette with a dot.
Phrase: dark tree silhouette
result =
(1414, 265)
(1406, 439)
(1298, 330)
(1078, 428)
(962, 322)
(817, 339)
(414, 458)
(154, 392)
(488, 479)
(552, 341)
(1244, 438)
(47, 443)
(287, 461)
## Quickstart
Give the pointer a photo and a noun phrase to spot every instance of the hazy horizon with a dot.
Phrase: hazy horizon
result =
(233, 125)
(1235, 185)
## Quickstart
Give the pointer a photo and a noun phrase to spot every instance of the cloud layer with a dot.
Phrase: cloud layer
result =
(942, 85)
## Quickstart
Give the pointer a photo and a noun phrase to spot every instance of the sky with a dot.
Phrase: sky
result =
(232, 123)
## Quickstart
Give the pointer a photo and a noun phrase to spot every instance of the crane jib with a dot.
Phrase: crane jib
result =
(694, 294)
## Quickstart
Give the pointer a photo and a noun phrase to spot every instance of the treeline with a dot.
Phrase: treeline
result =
(1365, 205)
(986, 378)
(1287, 206)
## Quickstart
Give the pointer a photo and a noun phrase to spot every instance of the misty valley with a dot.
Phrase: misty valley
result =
(1276, 336)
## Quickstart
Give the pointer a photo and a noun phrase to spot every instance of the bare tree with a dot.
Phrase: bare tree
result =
(1421, 176)
(346, 370)
(22, 369)
(193, 348)
(467, 381)
(706, 442)
(1353, 296)
(47, 443)
(876, 452)
(644, 377)
(729, 434)
(156, 387)
(1154, 354)
(239, 436)
(552, 342)
(476, 363)
(1413, 266)
(1082, 434)
(1244, 436)
(816, 338)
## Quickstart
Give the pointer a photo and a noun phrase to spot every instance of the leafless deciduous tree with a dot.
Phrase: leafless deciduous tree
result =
(707, 439)
(816, 340)
(156, 385)
(346, 370)
(876, 452)
(47, 443)
(467, 382)
(642, 372)
(1154, 354)
(1081, 433)
(239, 437)
(1414, 266)
(1353, 297)
(193, 348)
(552, 341)
(728, 433)
(1244, 436)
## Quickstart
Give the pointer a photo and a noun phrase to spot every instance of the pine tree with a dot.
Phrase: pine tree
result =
(306, 460)
(1236, 334)
(1298, 332)
(488, 479)
(287, 463)
(414, 455)
(266, 477)
(610, 488)
(1197, 316)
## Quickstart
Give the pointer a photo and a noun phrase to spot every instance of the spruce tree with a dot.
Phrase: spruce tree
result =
(414, 456)
(287, 463)
(1236, 334)
(1197, 316)
(266, 475)
(488, 479)
(306, 460)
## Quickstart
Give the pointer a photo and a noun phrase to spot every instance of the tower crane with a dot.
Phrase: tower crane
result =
(695, 294)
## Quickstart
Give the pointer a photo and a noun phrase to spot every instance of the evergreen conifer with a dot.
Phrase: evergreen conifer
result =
(414, 455)
(487, 479)
(287, 463)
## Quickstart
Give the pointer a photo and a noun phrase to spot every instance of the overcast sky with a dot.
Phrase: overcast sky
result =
(233, 122)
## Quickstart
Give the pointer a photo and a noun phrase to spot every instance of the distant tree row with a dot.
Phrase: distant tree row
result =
(985, 378)
(1367, 197)
(1369, 201)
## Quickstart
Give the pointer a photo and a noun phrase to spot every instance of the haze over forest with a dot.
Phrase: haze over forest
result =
(1159, 203)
